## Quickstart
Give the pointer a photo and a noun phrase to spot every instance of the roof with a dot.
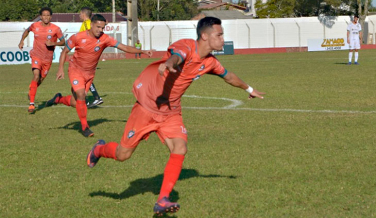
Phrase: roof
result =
(75, 17)
(219, 4)
(223, 15)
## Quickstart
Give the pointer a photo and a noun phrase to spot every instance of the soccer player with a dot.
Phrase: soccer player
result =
(45, 40)
(158, 91)
(354, 38)
(89, 47)
(85, 15)
(138, 45)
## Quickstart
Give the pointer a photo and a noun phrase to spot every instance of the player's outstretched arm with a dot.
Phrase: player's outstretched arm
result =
(24, 35)
(234, 80)
(133, 50)
(63, 56)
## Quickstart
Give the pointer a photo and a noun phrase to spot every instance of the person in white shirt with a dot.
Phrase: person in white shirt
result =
(354, 38)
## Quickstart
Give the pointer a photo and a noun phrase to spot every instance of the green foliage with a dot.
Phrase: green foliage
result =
(18, 10)
(275, 8)
(305, 8)
(168, 10)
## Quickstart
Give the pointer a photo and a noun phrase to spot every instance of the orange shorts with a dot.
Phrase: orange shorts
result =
(80, 79)
(44, 67)
(142, 122)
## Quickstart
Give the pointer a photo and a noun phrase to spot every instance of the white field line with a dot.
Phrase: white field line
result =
(232, 106)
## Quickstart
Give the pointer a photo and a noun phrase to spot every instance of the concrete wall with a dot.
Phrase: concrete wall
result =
(252, 33)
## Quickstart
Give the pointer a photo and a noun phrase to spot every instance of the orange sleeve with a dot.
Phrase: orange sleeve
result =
(71, 42)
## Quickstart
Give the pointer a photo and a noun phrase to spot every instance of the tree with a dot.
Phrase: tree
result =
(15, 10)
(275, 8)
(168, 10)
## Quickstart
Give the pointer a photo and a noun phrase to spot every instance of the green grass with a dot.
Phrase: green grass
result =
(306, 150)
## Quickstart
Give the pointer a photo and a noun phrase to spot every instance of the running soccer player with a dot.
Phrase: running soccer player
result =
(354, 38)
(45, 40)
(89, 46)
(158, 91)
(85, 15)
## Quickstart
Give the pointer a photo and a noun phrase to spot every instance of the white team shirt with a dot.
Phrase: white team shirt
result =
(354, 30)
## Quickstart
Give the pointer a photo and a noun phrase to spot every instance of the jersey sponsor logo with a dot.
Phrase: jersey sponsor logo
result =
(49, 37)
(45, 72)
(98, 41)
(35, 62)
(50, 31)
(37, 29)
(183, 130)
(139, 85)
(196, 78)
(97, 48)
(75, 82)
(130, 134)
(83, 41)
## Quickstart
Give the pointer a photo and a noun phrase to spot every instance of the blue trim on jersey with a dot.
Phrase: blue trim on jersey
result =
(224, 74)
(173, 53)
(115, 46)
(61, 38)
(66, 44)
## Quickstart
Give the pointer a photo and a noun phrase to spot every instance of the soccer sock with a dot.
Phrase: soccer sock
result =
(94, 91)
(108, 150)
(32, 91)
(64, 100)
(356, 56)
(171, 174)
(82, 112)
(350, 56)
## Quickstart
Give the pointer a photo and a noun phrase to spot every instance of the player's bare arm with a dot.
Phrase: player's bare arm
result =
(133, 50)
(234, 80)
(170, 64)
(24, 35)
(348, 35)
(60, 43)
(60, 72)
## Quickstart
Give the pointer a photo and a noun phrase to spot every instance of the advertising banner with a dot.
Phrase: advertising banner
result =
(16, 56)
(327, 44)
(228, 49)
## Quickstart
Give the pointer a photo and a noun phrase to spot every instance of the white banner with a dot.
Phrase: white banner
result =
(16, 56)
(327, 44)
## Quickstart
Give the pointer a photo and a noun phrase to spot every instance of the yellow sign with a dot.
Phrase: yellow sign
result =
(333, 42)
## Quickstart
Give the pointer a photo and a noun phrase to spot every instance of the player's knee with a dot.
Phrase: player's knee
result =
(123, 154)
(180, 149)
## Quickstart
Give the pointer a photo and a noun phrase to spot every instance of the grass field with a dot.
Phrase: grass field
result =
(306, 150)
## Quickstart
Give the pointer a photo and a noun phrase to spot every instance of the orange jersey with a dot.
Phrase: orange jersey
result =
(162, 94)
(88, 49)
(41, 35)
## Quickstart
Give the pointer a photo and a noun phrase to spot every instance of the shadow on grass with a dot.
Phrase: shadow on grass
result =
(77, 125)
(153, 185)
(342, 63)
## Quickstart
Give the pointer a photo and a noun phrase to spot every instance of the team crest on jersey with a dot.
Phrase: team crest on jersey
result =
(96, 48)
(202, 68)
(75, 82)
(49, 37)
(196, 78)
(130, 134)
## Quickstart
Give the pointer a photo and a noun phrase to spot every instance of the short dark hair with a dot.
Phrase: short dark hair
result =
(87, 11)
(98, 17)
(205, 23)
(356, 16)
(45, 9)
